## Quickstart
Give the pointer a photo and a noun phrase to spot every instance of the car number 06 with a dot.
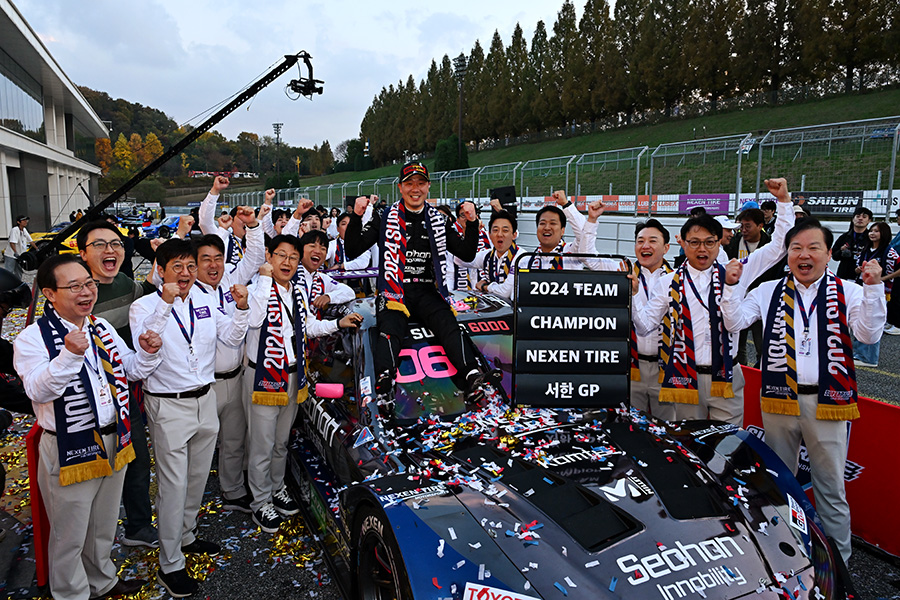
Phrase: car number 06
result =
(430, 361)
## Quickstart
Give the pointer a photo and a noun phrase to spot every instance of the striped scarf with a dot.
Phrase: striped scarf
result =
(837, 373)
(392, 248)
(635, 361)
(556, 263)
(82, 455)
(234, 252)
(679, 373)
(339, 254)
(270, 380)
(498, 268)
(463, 281)
(318, 287)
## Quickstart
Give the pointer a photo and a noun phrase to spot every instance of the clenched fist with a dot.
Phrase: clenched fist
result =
(265, 270)
(560, 197)
(219, 185)
(240, 294)
(150, 342)
(778, 188)
(77, 342)
(169, 292)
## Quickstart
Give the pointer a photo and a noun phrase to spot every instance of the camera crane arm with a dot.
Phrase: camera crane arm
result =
(306, 86)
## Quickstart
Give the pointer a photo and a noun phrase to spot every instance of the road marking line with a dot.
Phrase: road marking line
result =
(880, 372)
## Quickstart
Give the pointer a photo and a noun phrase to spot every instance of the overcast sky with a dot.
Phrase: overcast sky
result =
(184, 56)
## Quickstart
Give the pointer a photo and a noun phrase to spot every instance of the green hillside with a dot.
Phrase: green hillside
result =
(753, 120)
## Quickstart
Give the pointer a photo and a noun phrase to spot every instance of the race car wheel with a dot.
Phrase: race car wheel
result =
(165, 232)
(380, 573)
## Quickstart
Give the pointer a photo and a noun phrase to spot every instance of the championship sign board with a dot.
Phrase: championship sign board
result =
(571, 336)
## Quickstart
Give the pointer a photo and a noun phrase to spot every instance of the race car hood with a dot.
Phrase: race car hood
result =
(602, 504)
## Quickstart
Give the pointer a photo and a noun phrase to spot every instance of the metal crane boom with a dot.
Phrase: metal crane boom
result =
(304, 85)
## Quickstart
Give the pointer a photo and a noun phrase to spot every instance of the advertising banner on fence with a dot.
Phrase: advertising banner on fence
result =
(828, 203)
(870, 472)
(715, 204)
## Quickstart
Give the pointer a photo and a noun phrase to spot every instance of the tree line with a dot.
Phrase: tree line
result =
(614, 64)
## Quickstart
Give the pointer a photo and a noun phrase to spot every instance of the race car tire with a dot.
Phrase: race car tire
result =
(380, 572)
(165, 232)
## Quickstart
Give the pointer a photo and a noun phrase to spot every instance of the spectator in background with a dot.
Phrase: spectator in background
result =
(751, 237)
(728, 229)
(878, 250)
(19, 243)
(851, 244)
(893, 315)
(72, 217)
(768, 207)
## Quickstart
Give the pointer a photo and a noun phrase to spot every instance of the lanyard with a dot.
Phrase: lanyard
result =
(221, 294)
(283, 304)
(184, 332)
(803, 314)
(687, 275)
(644, 283)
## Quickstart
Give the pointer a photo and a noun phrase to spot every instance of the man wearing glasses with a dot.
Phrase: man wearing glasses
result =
(75, 368)
(181, 406)
(101, 247)
(697, 352)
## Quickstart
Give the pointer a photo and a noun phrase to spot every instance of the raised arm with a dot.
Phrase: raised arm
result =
(360, 237)
(207, 213)
(766, 257)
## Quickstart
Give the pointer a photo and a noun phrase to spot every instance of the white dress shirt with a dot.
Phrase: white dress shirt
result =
(647, 316)
(209, 225)
(507, 288)
(174, 374)
(648, 344)
(337, 291)
(866, 315)
(45, 380)
(360, 262)
(259, 301)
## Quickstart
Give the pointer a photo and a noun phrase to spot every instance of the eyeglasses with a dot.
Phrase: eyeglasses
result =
(293, 258)
(102, 245)
(76, 288)
(180, 267)
(708, 244)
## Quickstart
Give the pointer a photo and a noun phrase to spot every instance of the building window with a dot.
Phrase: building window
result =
(21, 109)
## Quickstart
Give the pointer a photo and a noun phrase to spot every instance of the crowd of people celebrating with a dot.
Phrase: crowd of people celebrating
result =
(211, 350)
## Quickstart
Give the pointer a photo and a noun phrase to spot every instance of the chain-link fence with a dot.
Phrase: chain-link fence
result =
(858, 157)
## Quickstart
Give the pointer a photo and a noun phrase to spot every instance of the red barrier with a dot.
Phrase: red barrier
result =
(871, 478)
(40, 523)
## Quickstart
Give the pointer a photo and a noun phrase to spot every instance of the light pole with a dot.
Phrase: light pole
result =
(277, 127)
(459, 64)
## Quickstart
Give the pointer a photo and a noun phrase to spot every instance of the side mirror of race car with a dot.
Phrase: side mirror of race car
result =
(329, 390)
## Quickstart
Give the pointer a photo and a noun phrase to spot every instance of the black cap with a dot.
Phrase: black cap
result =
(22, 218)
(413, 168)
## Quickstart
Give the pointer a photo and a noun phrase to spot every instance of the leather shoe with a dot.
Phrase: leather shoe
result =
(123, 587)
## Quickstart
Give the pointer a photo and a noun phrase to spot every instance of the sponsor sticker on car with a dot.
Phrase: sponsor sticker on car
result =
(798, 517)
(476, 591)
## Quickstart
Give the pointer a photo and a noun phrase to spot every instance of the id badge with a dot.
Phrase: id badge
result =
(105, 398)
(805, 346)
(193, 362)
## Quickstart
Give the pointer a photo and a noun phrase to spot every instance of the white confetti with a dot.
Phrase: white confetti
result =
(475, 546)
(564, 551)
(452, 533)
(481, 572)
(440, 550)
(570, 583)
(592, 564)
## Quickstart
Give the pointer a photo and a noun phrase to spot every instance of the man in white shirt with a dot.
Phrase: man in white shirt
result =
(214, 279)
(280, 322)
(808, 386)
(698, 351)
(498, 263)
(181, 407)
(228, 227)
(651, 243)
(19, 243)
(320, 288)
(337, 255)
(75, 368)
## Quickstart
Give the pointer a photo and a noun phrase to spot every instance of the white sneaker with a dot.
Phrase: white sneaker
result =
(860, 363)
(891, 330)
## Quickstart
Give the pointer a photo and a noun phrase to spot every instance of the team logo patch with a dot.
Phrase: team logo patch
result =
(202, 312)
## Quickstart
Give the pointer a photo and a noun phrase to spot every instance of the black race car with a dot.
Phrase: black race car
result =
(511, 503)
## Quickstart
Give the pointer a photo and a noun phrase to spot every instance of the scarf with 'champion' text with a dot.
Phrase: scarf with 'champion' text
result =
(633, 347)
(234, 252)
(391, 271)
(270, 380)
(678, 372)
(82, 454)
(837, 372)
(463, 282)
